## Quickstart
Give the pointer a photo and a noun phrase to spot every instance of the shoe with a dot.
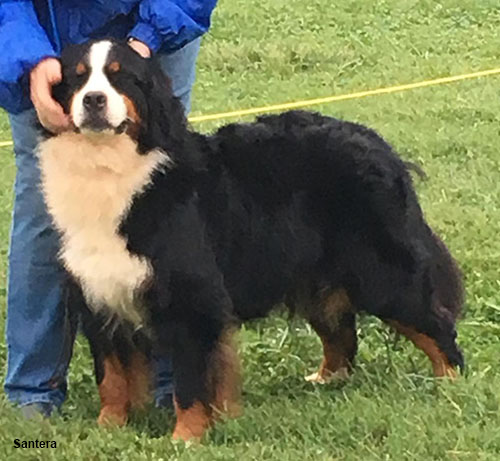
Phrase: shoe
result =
(37, 409)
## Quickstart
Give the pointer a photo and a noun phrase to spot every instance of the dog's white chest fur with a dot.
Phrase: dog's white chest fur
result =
(89, 183)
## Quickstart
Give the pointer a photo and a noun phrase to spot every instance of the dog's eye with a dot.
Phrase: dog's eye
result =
(81, 69)
(114, 67)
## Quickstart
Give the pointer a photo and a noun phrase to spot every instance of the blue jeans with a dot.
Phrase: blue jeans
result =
(39, 333)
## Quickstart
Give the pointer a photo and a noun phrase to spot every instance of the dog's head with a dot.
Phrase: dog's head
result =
(108, 88)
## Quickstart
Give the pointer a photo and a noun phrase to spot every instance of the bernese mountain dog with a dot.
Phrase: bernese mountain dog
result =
(172, 238)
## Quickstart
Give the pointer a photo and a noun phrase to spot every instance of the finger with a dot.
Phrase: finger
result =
(54, 111)
(49, 105)
(55, 76)
(54, 126)
(52, 116)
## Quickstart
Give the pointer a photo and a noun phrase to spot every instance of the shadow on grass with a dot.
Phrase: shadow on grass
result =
(152, 422)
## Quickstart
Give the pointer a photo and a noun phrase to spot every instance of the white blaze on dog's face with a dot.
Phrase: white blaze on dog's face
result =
(98, 106)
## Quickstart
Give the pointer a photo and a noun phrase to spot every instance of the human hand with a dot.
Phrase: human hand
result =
(141, 48)
(50, 113)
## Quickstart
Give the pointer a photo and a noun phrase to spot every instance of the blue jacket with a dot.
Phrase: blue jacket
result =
(32, 30)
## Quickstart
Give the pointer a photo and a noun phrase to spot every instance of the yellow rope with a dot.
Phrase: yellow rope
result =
(343, 97)
(329, 99)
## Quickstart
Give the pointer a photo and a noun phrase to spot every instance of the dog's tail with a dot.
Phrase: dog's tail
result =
(446, 278)
(413, 167)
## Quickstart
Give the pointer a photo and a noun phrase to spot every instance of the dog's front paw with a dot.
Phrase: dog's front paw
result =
(112, 415)
(324, 376)
(185, 434)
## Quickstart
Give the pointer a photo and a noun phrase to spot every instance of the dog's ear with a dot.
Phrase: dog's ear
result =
(165, 124)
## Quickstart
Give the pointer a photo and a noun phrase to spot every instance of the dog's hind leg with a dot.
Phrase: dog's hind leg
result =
(335, 323)
(440, 348)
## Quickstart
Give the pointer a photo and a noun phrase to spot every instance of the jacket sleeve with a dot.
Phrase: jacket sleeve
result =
(23, 42)
(171, 24)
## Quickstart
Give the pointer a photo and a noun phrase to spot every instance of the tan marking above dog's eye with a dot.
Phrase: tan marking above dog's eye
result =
(114, 66)
(81, 68)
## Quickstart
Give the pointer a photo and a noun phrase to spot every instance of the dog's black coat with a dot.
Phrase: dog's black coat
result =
(286, 210)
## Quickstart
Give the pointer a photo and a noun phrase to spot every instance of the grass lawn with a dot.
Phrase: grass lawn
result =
(271, 51)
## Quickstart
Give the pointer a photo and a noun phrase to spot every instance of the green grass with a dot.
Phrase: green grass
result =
(271, 51)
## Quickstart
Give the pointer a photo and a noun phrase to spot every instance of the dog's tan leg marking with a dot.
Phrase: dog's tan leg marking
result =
(440, 364)
(139, 380)
(113, 391)
(224, 385)
(224, 377)
(340, 345)
(334, 366)
(192, 423)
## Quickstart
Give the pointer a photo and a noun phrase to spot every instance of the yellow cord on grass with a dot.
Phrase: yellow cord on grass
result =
(343, 97)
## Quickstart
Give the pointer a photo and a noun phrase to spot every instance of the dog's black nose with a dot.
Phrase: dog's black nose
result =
(94, 101)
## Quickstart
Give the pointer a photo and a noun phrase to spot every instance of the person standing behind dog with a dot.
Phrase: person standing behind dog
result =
(39, 333)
